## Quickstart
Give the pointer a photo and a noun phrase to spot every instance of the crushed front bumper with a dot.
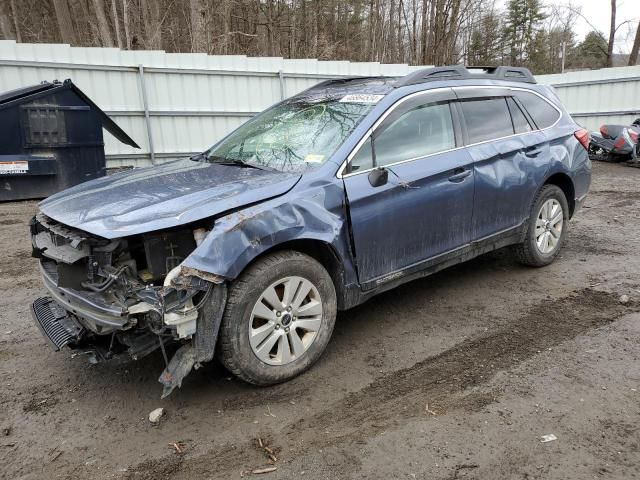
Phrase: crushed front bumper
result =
(92, 311)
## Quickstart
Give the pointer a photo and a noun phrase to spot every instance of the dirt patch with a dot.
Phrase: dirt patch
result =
(39, 405)
(633, 195)
(435, 380)
(156, 469)
(589, 244)
(11, 221)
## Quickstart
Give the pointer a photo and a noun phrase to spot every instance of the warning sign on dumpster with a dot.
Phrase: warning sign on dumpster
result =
(14, 168)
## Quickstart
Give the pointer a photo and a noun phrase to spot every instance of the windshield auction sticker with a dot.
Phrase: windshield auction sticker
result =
(14, 168)
(314, 158)
(361, 98)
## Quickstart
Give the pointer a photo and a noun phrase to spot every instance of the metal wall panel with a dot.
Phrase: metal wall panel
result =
(594, 97)
(193, 100)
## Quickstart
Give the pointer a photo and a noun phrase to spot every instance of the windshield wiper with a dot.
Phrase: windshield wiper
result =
(238, 163)
(199, 156)
(228, 161)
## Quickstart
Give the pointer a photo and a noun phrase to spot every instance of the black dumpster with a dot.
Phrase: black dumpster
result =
(51, 139)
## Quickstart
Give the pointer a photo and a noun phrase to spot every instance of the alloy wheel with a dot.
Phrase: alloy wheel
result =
(549, 226)
(285, 320)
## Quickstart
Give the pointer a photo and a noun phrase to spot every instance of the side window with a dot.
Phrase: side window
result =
(422, 131)
(540, 110)
(520, 122)
(487, 119)
(363, 160)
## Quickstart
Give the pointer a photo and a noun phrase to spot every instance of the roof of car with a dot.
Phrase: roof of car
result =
(336, 88)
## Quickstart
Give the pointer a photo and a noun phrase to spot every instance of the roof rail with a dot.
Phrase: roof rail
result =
(460, 72)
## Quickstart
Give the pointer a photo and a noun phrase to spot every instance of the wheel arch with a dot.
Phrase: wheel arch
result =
(564, 182)
(323, 252)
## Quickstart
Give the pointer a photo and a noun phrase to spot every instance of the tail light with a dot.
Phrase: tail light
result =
(633, 135)
(583, 137)
(619, 142)
(603, 131)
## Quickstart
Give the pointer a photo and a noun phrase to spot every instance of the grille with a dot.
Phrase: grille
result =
(54, 322)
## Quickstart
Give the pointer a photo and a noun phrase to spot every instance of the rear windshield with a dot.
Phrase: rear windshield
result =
(293, 136)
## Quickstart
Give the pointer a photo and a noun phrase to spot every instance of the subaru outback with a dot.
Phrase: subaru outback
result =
(322, 201)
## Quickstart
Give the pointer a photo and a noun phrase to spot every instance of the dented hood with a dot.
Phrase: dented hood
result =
(155, 198)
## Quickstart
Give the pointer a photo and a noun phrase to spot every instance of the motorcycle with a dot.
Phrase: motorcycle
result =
(616, 143)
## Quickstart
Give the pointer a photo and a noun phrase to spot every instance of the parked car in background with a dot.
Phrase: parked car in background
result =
(324, 200)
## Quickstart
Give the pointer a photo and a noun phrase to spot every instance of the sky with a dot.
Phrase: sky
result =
(598, 12)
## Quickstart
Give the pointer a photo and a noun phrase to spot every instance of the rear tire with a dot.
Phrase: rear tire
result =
(272, 330)
(546, 228)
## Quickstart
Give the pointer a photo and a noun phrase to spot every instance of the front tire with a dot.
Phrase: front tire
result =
(279, 318)
(546, 228)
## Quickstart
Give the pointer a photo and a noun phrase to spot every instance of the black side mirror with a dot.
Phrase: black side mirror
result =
(378, 177)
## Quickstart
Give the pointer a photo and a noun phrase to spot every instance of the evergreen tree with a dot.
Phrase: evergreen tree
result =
(522, 24)
(591, 53)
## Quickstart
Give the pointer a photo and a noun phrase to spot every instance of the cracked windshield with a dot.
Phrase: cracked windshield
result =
(293, 136)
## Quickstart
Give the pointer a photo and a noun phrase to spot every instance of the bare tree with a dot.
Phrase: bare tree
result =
(612, 34)
(116, 23)
(63, 17)
(6, 22)
(198, 26)
(633, 58)
(125, 21)
(152, 23)
(103, 24)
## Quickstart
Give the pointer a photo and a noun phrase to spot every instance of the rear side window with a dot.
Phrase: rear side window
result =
(487, 119)
(520, 122)
(540, 110)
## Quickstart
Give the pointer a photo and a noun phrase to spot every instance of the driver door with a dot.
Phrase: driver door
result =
(424, 207)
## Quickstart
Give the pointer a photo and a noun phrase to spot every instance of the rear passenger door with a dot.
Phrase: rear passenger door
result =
(510, 158)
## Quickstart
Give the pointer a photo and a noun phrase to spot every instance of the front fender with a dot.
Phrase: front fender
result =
(239, 237)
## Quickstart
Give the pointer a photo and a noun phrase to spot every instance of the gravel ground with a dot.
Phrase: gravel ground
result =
(455, 376)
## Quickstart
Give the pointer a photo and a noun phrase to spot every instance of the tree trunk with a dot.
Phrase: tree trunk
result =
(125, 22)
(633, 58)
(14, 16)
(399, 39)
(63, 17)
(152, 25)
(198, 24)
(612, 34)
(116, 23)
(6, 24)
(370, 43)
(103, 24)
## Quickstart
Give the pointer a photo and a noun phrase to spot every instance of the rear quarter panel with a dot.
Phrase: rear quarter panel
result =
(568, 156)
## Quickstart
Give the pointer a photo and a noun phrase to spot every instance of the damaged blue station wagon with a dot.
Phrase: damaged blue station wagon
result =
(346, 190)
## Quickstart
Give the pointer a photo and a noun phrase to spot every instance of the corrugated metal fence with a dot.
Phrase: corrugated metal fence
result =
(175, 105)
(609, 95)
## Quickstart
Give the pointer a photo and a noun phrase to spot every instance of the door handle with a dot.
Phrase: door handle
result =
(459, 174)
(532, 151)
